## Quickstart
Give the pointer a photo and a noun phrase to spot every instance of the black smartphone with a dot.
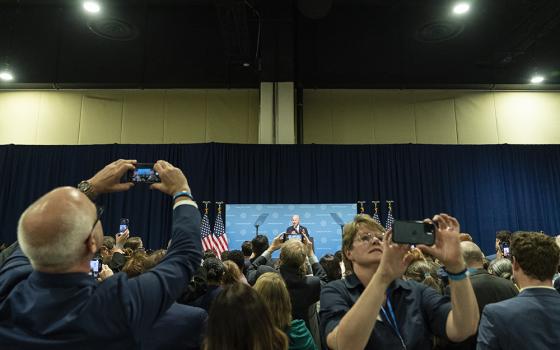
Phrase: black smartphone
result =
(95, 266)
(292, 235)
(143, 173)
(123, 226)
(414, 232)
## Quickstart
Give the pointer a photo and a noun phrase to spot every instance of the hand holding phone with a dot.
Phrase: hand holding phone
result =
(95, 266)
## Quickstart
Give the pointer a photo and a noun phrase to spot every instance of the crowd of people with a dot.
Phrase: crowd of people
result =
(372, 294)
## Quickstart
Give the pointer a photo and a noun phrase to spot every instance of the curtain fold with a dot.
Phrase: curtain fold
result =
(487, 188)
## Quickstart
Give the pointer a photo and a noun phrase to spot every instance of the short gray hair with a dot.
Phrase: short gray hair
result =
(63, 248)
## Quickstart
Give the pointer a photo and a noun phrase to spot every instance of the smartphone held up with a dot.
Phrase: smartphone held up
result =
(143, 173)
(414, 232)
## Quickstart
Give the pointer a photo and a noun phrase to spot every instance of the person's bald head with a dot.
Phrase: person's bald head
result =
(472, 254)
(54, 231)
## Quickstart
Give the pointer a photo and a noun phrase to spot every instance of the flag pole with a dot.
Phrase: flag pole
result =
(362, 206)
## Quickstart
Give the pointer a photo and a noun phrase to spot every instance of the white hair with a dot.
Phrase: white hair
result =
(62, 249)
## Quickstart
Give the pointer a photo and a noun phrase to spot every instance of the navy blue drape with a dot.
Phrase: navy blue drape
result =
(487, 187)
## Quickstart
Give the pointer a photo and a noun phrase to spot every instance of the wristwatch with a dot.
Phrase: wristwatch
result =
(86, 188)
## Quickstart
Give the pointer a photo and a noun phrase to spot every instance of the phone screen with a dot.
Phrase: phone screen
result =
(293, 235)
(95, 267)
(123, 225)
(144, 173)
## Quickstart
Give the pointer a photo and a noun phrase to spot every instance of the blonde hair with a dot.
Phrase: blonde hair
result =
(349, 234)
(272, 288)
(293, 255)
(232, 274)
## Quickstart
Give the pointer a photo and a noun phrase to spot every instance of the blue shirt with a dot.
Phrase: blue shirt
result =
(420, 313)
(73, 311)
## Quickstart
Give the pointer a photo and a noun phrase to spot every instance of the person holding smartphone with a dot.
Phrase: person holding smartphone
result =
(373, 308)
(45, 288)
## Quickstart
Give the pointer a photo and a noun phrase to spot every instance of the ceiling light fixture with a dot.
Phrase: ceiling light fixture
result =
(6, 75)
(537, 79)
(461, 8)
(91, 6)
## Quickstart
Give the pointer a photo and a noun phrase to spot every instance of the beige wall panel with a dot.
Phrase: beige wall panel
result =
(19, 112)
(59, 118)
(228, 116)
(352, 118)
(253, 127)
(101, 121)
(317, 117)
(528, 117)
(185, 117)
(435, 121)
(143, 117)
(394, 123)
(476, 118)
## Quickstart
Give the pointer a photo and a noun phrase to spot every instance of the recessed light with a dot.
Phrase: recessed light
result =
(461, 8)
(6, 76)
(537, 79)
(91, 6)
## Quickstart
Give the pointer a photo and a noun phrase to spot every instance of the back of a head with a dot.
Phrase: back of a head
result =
(237, 257)
(232, 274)
(331, 265)
(293, 255)
(109, 242)
(209, 254)
(472, 254)
(501, 268)
(133, 243)
(214, 270)
(247, 248)
(53, 230)
(537, 254)
(272, 288)
(253, 328)
(259, 244)
(136, 264)
(423, 272)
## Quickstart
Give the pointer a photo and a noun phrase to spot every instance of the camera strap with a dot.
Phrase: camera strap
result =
(393, 319)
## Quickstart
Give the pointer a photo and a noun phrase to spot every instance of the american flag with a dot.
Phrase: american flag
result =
(206, 233)
(221, 243)
(390, 220)
(376, 217)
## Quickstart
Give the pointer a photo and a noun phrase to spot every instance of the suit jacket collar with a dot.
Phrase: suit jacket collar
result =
(539, 292)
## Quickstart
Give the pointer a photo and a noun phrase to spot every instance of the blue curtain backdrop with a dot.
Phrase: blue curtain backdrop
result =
(486, 187)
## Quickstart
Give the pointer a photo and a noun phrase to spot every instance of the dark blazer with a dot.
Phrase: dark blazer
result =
(488, 289)
(182, 327)
(302, 229)
(528, 321)
(304, 294)
(72, 311)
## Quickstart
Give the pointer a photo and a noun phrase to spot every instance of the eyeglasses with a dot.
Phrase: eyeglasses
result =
(100, 211)
(367, 238)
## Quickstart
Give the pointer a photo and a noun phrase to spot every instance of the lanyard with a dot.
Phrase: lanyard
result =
(393, 320)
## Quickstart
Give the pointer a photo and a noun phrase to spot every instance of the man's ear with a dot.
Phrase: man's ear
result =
(91, 244)
(515, 264)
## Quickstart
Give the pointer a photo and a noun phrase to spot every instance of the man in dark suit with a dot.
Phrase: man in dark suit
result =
(487, 288)
(47, 298)
(530, 320)
(296, 228)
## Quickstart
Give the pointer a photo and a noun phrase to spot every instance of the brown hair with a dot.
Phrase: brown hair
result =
(424, 272)
(293, 255)
(253, 328)
(272, 288)
(349, 234)
(133, 243)
(536, 253)
(232, 274)
(135, 265)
